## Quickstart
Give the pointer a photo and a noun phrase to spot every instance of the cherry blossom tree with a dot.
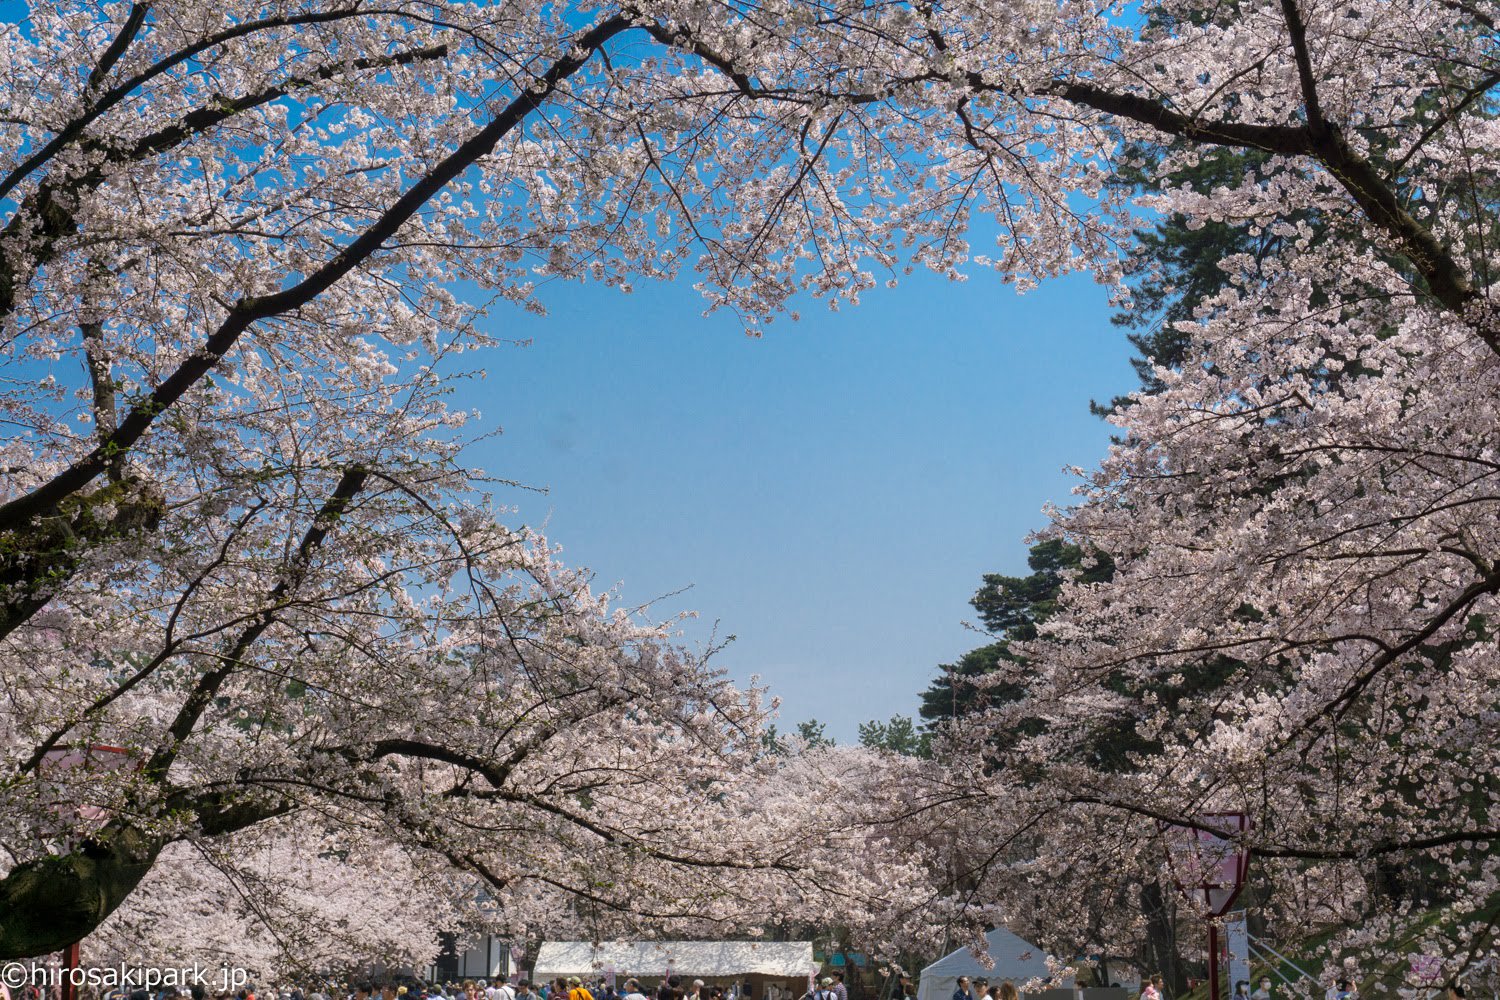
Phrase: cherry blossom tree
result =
(286, 903)
(239, 541)
(1302, 519)
(240, 545)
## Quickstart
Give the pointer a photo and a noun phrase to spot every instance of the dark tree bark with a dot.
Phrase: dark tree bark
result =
(1161, 954)
(49, 904)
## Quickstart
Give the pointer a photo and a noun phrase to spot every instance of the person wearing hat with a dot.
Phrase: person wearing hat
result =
(578, 991)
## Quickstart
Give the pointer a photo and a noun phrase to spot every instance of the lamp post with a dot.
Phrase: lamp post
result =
(1209, 861)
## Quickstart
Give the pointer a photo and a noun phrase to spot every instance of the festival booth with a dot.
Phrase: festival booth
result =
(1014, 958)
(764, 970)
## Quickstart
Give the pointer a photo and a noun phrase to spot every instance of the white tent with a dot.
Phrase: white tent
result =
(1014, 958)
(690, 959)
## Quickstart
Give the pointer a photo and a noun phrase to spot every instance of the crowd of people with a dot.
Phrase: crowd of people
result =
(1154, 988)
(669, 987)
(984, 990)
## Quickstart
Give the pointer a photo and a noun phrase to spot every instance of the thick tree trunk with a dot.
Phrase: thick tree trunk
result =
(49, 904)
(1161, 940)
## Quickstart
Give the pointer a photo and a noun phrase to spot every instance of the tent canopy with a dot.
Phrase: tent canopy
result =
(780, 959)
(1014, 958)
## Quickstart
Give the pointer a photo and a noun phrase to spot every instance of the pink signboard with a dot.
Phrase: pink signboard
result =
(1209, 861)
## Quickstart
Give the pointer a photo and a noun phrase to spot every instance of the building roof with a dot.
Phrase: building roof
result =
(786, 959)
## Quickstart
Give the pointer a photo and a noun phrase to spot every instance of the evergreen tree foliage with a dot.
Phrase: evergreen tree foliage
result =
(899, 735)
(1010, 608)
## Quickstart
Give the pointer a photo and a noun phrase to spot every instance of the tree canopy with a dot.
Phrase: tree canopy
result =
(238, 540)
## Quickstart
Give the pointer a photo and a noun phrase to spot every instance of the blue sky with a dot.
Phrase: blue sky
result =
(830, 492)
